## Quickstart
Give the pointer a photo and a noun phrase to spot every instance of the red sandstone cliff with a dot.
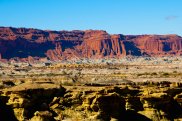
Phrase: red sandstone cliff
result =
(56, 45)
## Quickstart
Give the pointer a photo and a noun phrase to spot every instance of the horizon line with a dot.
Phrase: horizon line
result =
(89, 30)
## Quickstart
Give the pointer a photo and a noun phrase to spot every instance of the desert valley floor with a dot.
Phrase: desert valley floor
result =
(127, 89)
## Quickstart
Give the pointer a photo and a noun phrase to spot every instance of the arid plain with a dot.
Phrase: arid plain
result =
(131, 88)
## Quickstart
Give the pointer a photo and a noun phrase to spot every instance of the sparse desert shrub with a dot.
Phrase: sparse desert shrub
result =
(154, 73)
(68, 84)
(174, 71)
(141, 74)
(8, 83)
(165, 74)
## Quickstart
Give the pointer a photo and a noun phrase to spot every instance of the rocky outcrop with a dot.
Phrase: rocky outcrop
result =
(30, 100)
(159, 45)
(100, 44)
(108, 105)
(24, 44)
(49, 102)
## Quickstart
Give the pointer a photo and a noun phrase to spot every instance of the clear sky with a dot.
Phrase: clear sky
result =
(114, 16)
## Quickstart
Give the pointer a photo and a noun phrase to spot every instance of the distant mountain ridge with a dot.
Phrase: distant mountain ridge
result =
(27, 43)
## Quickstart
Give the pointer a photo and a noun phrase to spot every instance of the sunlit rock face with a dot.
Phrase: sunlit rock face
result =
(50, 102)
(23, 44)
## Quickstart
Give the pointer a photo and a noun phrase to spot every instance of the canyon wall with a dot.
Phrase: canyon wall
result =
(25, 44)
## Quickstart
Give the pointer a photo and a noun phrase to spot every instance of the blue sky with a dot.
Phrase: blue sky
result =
(114, 16)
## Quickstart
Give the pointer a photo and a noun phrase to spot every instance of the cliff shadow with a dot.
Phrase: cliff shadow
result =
(65, 44)
(134, 116)
(166, 46)
(131, 48)
(22, 48)
(6, 112)
(128, 115)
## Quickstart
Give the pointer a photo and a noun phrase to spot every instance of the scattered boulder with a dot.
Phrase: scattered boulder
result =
(42, 116)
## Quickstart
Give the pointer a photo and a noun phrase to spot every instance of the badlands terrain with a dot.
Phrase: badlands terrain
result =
(89, 76)
(127, 89)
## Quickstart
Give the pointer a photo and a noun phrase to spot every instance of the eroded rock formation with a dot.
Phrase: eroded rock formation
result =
(37, 101)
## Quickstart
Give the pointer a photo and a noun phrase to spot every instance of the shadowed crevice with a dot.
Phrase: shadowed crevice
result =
(6, 112)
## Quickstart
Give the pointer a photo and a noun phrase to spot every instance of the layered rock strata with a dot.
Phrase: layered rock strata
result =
(32, 44)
